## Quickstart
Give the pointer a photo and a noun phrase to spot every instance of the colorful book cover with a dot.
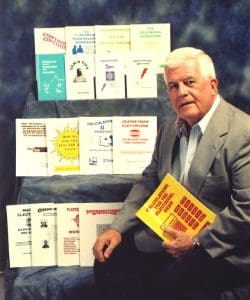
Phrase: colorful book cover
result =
(141, 76)
(95, 218)
(133, 143)
(63, 146)
(68, 234)
(31, 147)
(50, 49)
(96, 145)
(173, 205)
(153, 38)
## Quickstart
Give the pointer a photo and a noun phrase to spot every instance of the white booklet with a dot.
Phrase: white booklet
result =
(63, 146)
(95, 218)
(68, 234)
(43, 234)
(19, 235)
(141, 76)
(96, 145)
(80, 73)
(110, 76)
(31, 147)
(133, 143)
(152, 38)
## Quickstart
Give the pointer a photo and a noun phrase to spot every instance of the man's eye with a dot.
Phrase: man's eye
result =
(173, 86)
(190, 82)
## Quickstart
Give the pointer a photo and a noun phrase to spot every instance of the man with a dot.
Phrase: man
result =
(207, 148)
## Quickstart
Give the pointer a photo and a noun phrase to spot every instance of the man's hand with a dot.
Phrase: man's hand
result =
(180, 245)
(106, 243)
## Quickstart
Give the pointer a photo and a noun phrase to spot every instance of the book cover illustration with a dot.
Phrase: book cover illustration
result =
(173, 205)
(141, 76)
(19, 235)
(31, 147)
(95, 218)
(152, 38)
(133, 143)
(96, 145)
(68, 234)
(63, 146)
(43, 234)
(110, 76)
(50, 49)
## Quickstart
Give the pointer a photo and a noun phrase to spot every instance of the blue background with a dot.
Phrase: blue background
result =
(221, 28)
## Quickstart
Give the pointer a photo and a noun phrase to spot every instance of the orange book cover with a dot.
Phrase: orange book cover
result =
(173, 205)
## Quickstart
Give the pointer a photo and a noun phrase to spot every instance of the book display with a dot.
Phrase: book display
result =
(95, 62)
(72, 181)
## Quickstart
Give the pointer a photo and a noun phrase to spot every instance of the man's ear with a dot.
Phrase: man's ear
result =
(214, 86)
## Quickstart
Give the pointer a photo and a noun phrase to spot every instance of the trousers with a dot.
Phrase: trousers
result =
(130, 274)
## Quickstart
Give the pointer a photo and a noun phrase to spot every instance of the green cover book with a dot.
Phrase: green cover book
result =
(51, 83)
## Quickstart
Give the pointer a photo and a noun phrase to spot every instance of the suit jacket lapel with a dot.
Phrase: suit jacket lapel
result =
(208, 147)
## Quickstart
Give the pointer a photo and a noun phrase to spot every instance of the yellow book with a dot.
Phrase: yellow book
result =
(173, 205)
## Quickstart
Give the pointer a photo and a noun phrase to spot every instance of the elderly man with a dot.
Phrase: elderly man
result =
(207, 148)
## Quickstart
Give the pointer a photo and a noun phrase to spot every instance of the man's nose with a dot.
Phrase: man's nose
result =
(183, 90)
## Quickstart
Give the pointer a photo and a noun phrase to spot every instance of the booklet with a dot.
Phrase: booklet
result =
(19, 235)
(63, 146)
(31, 147)
(133, 143)
(43, 234)
(68, 234)
(96, 145)
(50, 48)
(173, 205)
(95, 218)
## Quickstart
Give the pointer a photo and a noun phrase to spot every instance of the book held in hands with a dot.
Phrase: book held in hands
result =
(173, 205)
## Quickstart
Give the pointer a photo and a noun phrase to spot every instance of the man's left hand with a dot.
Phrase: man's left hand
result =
(180, 244)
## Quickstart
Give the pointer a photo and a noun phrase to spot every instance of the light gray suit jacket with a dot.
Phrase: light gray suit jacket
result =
(219, 176)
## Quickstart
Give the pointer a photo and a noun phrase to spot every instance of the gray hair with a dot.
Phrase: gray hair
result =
(180, 55)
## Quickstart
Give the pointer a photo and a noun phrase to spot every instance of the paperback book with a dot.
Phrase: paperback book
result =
(173, 205)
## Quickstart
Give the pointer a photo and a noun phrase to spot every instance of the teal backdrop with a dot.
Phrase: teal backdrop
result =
(222, 28)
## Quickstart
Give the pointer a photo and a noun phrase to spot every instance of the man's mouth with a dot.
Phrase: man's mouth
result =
(186, 104)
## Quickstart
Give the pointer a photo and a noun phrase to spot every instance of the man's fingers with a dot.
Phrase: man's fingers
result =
(170, 231)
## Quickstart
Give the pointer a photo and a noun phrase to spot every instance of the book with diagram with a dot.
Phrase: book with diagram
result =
(173, 205)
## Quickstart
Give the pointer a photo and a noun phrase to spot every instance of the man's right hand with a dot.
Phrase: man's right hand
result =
(106, 243)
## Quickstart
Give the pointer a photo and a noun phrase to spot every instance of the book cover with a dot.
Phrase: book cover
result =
(68, 234)
(80, 62)
(43, 234)
(110, 76)
(19, 235)
(153, 38)
(173, 205)
(95, 218)
(80, 40)
(50, 48)
(112, 39)
(133, 143)
(31, 147)
(63, 146)
(80, 74)
(96, 145)
(141, 76)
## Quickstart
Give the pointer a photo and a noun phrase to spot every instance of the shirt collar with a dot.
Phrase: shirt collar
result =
(183, 128)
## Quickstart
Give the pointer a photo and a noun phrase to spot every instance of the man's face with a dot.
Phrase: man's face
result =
(191, 94)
